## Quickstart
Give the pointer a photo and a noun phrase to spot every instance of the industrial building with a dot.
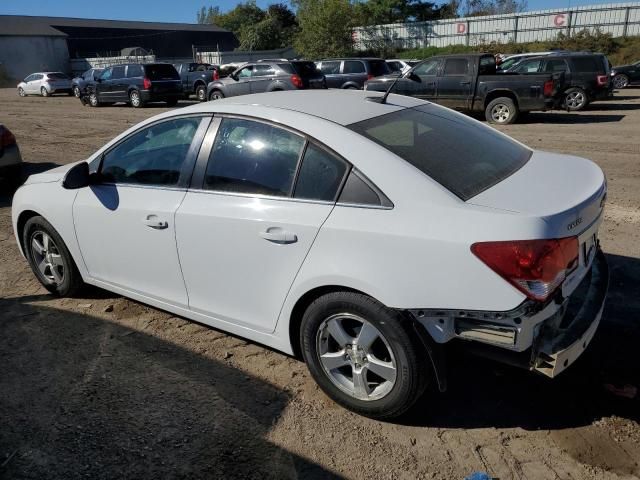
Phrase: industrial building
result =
(30, 44)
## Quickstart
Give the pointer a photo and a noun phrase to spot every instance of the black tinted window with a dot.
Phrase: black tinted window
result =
(320, 175)
(135, 71)
(287, 67)
(58, 76)
(359, 192)
(161, 71)
(378, 67)
(456, 66)
(306, 69)
(555, 65)
(463, 156)
(118, 72)
(253, 157)
(354, 66)
(330, 67)
(152, 156)
(394, 66)
(587, 64)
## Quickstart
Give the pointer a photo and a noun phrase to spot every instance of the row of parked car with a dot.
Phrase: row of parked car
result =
(502, 88)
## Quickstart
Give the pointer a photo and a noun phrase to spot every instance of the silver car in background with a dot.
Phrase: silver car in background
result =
(45, 84)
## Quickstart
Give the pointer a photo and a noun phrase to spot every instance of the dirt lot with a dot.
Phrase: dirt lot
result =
(103, 387)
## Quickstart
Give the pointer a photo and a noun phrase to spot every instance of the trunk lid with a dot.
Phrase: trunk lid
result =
(567, 192)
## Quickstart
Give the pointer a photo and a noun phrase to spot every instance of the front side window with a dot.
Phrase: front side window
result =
(253, 157)
(456, 66)
(528, 66)
(430, 67)
(152, 156)
(118, 72)
(106, 75)
(354, 66)
(245, 72)
(331, 67)
(464, 157)
(320, 175)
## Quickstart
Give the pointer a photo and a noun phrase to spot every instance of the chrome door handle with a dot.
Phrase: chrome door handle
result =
(154, 221)
(278, 235)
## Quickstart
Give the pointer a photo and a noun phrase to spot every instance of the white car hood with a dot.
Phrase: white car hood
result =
(54, 175)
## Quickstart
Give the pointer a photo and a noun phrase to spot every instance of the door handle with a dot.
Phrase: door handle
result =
(465, 83)
(154, 221)
(278, 235)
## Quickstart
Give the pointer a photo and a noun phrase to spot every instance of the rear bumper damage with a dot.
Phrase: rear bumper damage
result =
(546, 339)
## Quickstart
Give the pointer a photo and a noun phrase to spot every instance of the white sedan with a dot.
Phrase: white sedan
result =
(365, 236)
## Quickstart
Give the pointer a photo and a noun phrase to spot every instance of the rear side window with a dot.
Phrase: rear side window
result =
(253, 157)
(555, 65)
(286, 67)
(378, 67)
(587, 64)
(330, 67)
(354, 66)
(456, 66)
(118, 72)
(161, 71)
(320, 175)
(134, 71)
(462, 156)
(58, 76)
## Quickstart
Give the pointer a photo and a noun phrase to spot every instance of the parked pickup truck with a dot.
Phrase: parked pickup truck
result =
(469, 83)
(195, 78)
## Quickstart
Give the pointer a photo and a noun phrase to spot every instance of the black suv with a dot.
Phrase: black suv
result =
(586, 76)
(352, 72)
(136, 85)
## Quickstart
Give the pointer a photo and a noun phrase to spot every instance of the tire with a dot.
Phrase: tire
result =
(13, 176)
(76, 91)
(135, 100)
(93, 100)
(501, 111)
(351, 87)
(216, 95)
(575, 99)
(620, 81)
(396, 353)
(44, 92)
(172, 103)
(201, 93)
(59, 274)
(21, 92)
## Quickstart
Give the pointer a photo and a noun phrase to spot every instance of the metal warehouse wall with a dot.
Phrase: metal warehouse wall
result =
(619, 19)
(22, 55)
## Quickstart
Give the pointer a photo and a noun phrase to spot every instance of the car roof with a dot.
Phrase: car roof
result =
(351, 58)
(339, 106)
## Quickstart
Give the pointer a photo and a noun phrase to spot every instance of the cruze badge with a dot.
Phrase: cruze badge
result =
(575, 223)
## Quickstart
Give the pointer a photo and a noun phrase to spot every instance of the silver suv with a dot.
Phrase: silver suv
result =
(267, 76)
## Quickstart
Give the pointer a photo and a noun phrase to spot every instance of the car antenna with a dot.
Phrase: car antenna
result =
(383, 99)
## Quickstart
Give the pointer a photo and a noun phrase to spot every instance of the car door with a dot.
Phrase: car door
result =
(29, 83)
(242, 231)
(454, 83)
(103, 85)
(354, 71)
(331, 71)
(118, 89)
(125, 220)
(262, 76)
(634, 72)
(240, 85)
(422, 82)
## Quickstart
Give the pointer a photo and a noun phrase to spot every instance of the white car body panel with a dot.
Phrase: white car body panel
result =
(413, 256)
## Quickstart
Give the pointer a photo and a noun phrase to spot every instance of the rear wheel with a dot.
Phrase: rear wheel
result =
(502, 111)
(93, 100)
(76, 91)
(49, 258)
(201, 93)
(216, 95)
(621, 81)
(135, 99)
(44, 92)
(575, 99)
(363, 355)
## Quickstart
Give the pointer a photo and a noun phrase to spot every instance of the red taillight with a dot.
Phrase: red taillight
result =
(216, 75)
(7, 138)
(548, 88)
(297, 81)
(369, 77)
(535, 267)
(602, 80)
(146, 83)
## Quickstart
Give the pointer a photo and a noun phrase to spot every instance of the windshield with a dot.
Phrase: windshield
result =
(459, 153)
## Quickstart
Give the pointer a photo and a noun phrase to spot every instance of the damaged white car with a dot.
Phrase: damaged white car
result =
(365, 235)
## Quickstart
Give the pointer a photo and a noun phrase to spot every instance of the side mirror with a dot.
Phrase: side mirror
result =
(414, 77)
(77, 177)
(234, 76)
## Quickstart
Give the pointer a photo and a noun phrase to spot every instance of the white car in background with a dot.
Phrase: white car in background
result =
(363, 235)
(45, 84)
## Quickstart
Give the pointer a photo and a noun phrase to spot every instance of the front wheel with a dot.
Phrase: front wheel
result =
(575, 99)
(620, 81)
(21, 92)
(201, 93)
(44, 92)
(363, 355)
(76, 91)
(93, 100)
(216, 95)
(49, 258)
(502, 111)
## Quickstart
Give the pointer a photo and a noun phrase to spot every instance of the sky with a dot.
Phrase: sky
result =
(182, 11)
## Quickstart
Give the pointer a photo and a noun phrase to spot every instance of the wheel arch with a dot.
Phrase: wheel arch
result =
(351, 84)
(23, 218)
(493, 94)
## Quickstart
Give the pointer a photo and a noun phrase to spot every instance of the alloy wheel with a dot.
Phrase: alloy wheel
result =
(356, 357)
(21, 92)
(620, 81)
(575, 99)
(216, 96)
(76, 92)
(500, 113)
(93, 100)
(47, 258)
(135, 99)
(44, 92)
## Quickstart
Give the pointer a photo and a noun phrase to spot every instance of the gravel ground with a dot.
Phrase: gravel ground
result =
(104, 387)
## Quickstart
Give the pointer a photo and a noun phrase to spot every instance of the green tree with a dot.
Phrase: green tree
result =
(378, 12)
(326, 28)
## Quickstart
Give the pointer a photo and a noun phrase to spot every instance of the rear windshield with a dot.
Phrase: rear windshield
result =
(57, 76)
(589, 63)
(161, 71)
(306, 69)
(379, 67)
(463, 156)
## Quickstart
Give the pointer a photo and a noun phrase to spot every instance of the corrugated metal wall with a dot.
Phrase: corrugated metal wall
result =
(619, 19)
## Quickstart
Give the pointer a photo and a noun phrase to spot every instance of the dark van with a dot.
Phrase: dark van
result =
(136, 85)
(351, 72)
